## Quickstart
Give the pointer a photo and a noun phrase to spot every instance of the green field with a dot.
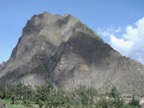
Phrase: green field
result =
(17, 105)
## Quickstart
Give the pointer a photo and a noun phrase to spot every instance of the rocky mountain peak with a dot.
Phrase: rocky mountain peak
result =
(47, 29)
(64, 50)
(60, 24)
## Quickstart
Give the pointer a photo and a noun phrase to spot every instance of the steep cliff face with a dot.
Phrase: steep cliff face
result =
(65, 51)
(40, 39)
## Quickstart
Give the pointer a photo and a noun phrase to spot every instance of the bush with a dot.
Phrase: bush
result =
(40, 103)
(27, 103)
(134, 102)
(114, 93)
(129, 106)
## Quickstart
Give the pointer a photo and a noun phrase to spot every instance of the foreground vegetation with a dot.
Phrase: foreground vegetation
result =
(47, 96)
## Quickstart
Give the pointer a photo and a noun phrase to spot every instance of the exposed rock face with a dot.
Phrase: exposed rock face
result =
(67, 52)
(2, 64)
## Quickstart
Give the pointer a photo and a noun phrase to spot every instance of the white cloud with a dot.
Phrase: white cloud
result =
(120, 44)
(129, 40)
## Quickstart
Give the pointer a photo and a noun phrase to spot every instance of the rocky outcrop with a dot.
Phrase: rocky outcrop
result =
(64, 50)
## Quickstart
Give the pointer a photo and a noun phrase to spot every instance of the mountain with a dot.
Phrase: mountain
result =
(64, 50)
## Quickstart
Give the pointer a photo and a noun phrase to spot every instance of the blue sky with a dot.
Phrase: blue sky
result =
(118, 22)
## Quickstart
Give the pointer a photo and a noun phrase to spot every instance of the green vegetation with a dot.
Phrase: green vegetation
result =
(47, 96)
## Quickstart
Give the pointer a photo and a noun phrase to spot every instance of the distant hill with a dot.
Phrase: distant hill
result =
(64, 50)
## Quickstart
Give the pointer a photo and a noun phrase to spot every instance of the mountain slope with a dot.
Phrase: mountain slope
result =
(64, 50)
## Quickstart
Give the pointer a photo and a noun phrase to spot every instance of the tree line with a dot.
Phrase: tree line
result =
(47, 96)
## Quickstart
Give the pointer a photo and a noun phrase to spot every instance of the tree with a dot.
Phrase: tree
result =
(134, 102)
(114, 93)
(85, 95)
(2, 91)
(44, 93)
(117, 103)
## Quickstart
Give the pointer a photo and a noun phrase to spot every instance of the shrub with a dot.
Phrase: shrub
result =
(27, 103)
(134, 102)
